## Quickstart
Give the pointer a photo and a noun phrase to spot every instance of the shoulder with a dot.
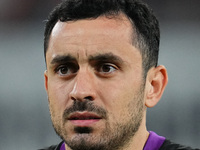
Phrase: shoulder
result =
(168, 145)
(53, 147)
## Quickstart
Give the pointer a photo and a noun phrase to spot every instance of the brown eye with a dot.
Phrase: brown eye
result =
(63, 70)
(67, 69)
(107, 68)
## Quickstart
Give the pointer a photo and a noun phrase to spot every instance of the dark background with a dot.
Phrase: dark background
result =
(24, 117)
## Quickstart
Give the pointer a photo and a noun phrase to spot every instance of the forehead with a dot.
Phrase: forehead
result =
(100, 35)
(102, 26)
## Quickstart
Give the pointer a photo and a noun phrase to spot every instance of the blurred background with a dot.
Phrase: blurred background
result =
(24, 116)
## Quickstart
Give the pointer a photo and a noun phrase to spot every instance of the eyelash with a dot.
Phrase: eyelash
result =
(109, 65)
(72, 69)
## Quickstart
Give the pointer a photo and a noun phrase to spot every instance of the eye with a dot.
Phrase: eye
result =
(63, 70)
(67, 69)
(107, 68)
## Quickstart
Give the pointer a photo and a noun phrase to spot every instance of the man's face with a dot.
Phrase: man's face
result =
(94, 82)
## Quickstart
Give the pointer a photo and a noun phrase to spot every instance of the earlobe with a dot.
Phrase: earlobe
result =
(155, 84)
(46, 80)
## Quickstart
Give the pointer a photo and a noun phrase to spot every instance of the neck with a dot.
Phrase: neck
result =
(138, 141)
(140, 138)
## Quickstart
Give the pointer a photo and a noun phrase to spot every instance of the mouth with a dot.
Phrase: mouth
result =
(84, 119)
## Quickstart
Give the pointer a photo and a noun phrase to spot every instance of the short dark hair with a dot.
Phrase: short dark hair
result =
(145, 24)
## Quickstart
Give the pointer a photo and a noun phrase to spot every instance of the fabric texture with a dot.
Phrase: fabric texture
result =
(62, 146)
(151, 144)
(154, 141)
(53, 147)
(168, 145)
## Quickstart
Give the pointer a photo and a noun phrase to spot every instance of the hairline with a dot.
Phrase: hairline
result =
(136, 37)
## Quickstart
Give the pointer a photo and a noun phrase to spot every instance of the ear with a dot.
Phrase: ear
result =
(156, 82)
(46, 80)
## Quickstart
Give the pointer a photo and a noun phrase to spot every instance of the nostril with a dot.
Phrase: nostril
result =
(74, 99)
(89, 98)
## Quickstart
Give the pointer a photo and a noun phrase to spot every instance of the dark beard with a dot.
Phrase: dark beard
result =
(111, 138)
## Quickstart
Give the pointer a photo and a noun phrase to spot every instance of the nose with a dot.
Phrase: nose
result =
(84, 87)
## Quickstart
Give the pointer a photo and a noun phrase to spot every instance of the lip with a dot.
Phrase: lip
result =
(84, 119)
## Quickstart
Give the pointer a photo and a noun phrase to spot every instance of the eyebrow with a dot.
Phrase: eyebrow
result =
(99, 58)
(106, 57)
(62, 59)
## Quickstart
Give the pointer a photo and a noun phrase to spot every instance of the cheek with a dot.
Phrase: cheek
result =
(117, 96)
(58, 97)
(57, 104)
(56, 117)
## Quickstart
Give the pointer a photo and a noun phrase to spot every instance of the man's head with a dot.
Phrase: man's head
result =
(145, 27)
(97, 55)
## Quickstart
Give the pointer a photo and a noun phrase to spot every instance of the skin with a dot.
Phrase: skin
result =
(95, 61)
